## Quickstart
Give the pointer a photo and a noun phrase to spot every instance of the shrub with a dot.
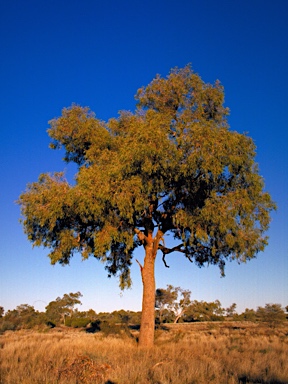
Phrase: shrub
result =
(79, 322)
(6, 325)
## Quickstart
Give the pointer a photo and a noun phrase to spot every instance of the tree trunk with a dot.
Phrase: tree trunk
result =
(178, 317)
(147, 328)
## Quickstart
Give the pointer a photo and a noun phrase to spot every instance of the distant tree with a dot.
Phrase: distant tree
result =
(173, 166)
(28, 315)
(273, 314)
(70, 300)
(173, 299)
(1, 312)
(91, 314)
(23, 317)
(11, 321)
(248, 315)
(164, 300)
(135, 318)
(231, 311)
(182, 305)
(62, 307)
(204, 311)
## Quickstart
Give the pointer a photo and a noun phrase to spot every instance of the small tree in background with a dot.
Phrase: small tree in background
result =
(231, 311)
(59, 309)
(173, 166)
(165, 299)
(248, 315)
(173, 299)
(273, 314)
(182, 305)
(91, 315)
(204, 311)
(23, 317)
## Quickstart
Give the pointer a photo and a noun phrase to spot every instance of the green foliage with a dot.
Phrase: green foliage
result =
(173, 165)
(273, 314)
(7, 326)
(115, 323)
(204, 311)
(57, 311)
(231, 311)
(172, 303)
(118, 322)
(110, 328)
(77, 322)
(247, 315)
(165, 299)
(90, 314)
(23, 317)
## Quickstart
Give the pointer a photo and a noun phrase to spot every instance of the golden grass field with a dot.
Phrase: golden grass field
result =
(220, 353)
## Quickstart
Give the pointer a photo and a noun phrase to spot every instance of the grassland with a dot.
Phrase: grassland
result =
(196, 353)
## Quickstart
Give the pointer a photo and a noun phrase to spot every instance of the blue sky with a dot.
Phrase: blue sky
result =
(97, 54)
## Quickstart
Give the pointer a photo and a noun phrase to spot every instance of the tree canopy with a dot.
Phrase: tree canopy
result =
(172, 166)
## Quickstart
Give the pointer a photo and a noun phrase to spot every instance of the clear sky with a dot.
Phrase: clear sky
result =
(97, 54)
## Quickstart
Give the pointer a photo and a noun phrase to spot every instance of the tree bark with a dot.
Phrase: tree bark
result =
(147, 327)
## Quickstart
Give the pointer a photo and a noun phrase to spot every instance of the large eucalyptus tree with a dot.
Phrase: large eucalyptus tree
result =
(173, 166)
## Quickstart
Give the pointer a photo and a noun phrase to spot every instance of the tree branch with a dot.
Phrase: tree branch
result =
(158, 238)
(140, 265)
(177, 248)
(165, 251)
(140, 235)
(164, 261)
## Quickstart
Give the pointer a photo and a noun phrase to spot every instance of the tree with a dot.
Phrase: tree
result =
(91, 315)
(62, 307)
(24, 316)
(231, 311)
(248, 315)
(173, 166)
(173, 299)
(204, 311)
(165, 298)
(272, 314)
(182, 304)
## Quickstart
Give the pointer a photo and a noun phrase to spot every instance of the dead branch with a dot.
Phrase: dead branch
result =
(164, 261)
(140, 265)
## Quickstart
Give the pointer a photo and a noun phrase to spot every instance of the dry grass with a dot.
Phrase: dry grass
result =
(183, 354)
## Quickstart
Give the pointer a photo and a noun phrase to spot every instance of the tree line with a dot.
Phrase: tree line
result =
(172, 305)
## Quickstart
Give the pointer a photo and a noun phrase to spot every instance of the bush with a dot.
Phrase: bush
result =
(79, 322)
(7, 326)
(273, 314)
(108, 328)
